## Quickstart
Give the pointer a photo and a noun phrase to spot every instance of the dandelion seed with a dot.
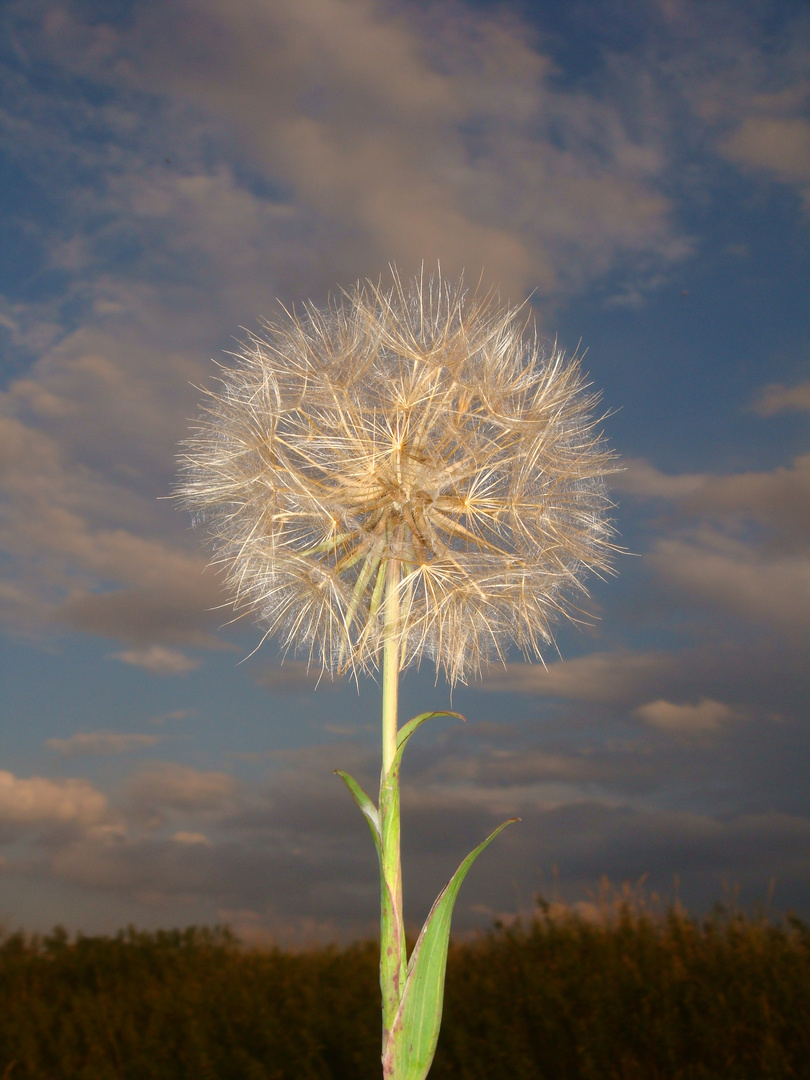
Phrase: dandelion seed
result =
(417, 427)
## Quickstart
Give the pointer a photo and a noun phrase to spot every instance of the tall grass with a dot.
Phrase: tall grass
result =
(560, 997)
(632, 997)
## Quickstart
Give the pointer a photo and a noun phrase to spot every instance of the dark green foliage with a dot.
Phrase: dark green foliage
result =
(632, 998)
(181, 1005)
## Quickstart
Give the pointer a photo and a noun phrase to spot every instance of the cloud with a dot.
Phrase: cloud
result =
(181, 788)
(491, 775)
(744, 79)
(776, 398)
(175, 714)
(177, 614)
(158, 660)
(292, 849)
(778, 499)
(599, 678)
(38, 800)
(101, 742)
(74, 522)
(418, 133)
(109, 396)
(715, 570)
(639, 477)
(739, 542)
(286, 884)
(706, 715)
(308, 140)
(184, 837)
(294, 677)
(28, 329)
(778, 145)
(362, 132)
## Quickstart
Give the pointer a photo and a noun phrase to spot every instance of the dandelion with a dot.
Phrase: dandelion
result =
(417, 430)
(403, 474)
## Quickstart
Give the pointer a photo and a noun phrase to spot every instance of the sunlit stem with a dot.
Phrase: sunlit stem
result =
(393, 959)
(390, 690)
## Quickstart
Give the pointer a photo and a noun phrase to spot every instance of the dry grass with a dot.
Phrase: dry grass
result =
(634, 996)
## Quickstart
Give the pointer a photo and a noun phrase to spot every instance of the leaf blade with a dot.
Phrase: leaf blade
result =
(366, 806)
(412, 1043)
(408, 729)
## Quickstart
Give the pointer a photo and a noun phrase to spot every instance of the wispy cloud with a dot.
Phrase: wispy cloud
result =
(38, 800)
(158, 660)
(778, 499)
(400, 132)
(292, 677)
(706, 715)
(778, 146)
(363, 133)
(175, 714)
(715, 570)
(173, 787)
(601, 677)
(185, 837)
(776, 398)
(738, 543)
(101, 742)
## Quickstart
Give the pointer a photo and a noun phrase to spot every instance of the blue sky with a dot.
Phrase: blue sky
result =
(169, 172)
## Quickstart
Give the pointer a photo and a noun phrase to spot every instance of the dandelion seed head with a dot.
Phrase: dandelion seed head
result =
(411, 426)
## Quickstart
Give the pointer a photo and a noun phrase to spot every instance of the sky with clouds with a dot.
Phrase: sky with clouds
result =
(171, 170)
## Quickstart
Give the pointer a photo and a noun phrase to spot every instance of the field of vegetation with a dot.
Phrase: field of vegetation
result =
(631, 997)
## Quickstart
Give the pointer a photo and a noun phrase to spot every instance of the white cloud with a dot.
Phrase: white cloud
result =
(158, 660)
(520, 773)
(294, 677)
(73, 518)
(38, 800)
(776, 398)
(29, 329)
(170, 786)
(175, 714)
(184, 837)
(707, 715)
(432, 133)
(308, 141)
(778, 499)
(778, 145)
(611, 677)
(713, 569)
(740, 541)
(639, 477)
(101, 742)
(745, 79)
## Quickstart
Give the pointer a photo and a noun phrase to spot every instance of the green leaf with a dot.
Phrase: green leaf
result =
(408, 729)
(409, 1051)
(367, 807)
(385, 829)
(393, 956)
(392, 933)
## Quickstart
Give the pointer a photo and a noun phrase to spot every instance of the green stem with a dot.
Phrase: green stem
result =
(390, 666)
(393, 958)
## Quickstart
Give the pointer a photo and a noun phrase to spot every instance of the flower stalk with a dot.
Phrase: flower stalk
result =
(393, 957)
(390, 678)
